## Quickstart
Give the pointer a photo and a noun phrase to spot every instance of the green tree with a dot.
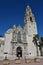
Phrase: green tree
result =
(35, 39)
(41, 45)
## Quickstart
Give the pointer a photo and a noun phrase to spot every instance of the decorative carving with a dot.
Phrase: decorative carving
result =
(14, 35)
(24, 37)
(19, 37)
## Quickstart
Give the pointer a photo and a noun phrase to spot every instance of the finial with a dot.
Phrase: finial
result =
(28, 11)
(28, 6)
(14, 26)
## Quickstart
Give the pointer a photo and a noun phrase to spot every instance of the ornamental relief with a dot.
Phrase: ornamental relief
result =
(14, 36)
(19, 34)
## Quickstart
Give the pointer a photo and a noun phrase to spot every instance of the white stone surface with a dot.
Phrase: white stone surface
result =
(28, 47)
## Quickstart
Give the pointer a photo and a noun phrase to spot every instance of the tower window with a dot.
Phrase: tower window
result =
(31, 19)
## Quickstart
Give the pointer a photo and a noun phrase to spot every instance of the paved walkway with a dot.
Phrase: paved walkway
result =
(23, 63)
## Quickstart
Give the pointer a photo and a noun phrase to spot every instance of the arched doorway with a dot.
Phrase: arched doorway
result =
(19, 52)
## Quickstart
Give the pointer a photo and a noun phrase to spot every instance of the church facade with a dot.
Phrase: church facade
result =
(18, 41)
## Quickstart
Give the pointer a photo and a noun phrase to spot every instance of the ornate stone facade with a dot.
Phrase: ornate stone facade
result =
(19, 41)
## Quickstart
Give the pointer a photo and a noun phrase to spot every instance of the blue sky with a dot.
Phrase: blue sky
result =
(12, 12)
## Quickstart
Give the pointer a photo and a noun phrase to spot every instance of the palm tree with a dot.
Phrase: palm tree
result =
(35, 39)
(41, 45)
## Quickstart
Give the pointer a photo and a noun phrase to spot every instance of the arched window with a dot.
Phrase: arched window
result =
(31, 19)
(19, 37)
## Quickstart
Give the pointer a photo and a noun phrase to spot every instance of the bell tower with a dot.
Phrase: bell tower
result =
(29, 21)
(31, 30)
